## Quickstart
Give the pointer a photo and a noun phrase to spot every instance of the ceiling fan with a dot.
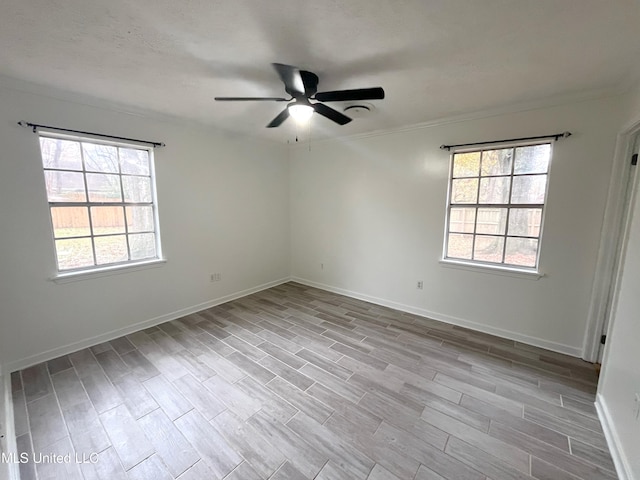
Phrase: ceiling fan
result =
(303, 87)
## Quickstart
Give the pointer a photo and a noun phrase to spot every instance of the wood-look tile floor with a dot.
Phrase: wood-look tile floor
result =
(298, 383)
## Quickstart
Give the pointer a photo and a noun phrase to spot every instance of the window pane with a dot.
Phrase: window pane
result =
(491, 220)
(529, 189)
(103, 188)
(62, 154)
(137, 189)
(464, 191)
(70, 222)
(142, 246)
(74, 253)
(496, 203)
(134, 161)
(521, 251)
(64, 186)
(466, 164)
(107, 220)
(494, 190)
(140, 219)
(111, 249)
(462, 220)
(100, 158)
(488, 249)
(497, 162)
(534, 159)
(101, 202)
(525, 222)
(459, 246)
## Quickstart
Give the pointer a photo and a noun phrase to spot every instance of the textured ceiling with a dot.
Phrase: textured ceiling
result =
(435, 58)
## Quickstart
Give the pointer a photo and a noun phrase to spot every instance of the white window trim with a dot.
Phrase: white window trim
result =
(491, 268)
(487, 267)
(105, 271)
(97, 271)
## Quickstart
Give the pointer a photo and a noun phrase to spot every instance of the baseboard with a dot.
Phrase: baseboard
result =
(480, 327)
(620, 461)
(105, 337)
(8, 470)
(75, 346)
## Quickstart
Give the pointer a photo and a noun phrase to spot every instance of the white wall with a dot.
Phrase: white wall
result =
(620, 377)
(223, 206)
(372, 210)
(5, 421)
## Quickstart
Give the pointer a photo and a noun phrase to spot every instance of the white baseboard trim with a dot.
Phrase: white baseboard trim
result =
(9, 470)
(105, 337)
(620, 461)
(499, 332)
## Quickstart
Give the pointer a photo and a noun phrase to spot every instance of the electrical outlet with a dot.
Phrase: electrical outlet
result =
(215, 277)
(636, 408)
(419, 286)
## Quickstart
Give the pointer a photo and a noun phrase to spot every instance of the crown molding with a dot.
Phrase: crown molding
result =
(33, 88)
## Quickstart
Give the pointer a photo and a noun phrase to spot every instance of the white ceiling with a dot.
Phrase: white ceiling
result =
(435, 58)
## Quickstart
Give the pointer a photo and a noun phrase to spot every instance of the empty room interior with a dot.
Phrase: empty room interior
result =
(333, 240)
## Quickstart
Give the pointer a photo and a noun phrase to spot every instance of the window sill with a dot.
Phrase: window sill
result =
(494, 270)
(106, 271)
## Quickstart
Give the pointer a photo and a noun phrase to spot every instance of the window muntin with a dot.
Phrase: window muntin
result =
(101, 201)
(496, 205)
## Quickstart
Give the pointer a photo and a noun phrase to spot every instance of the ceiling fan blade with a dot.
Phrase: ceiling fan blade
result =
(282, 116)
(251, 99)
(331, 114)
(291, 77)
(376, 93)
(310, 81)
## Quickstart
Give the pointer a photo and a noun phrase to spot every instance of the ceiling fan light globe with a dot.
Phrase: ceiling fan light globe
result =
(301, 113)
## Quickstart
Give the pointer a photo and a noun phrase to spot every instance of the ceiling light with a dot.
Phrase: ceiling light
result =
(300, 112)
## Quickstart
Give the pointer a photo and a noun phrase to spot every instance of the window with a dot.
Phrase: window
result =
(102, 202)
(496, 205)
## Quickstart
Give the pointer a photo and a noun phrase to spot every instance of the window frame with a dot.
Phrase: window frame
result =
(97, 270)
(496, 267)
